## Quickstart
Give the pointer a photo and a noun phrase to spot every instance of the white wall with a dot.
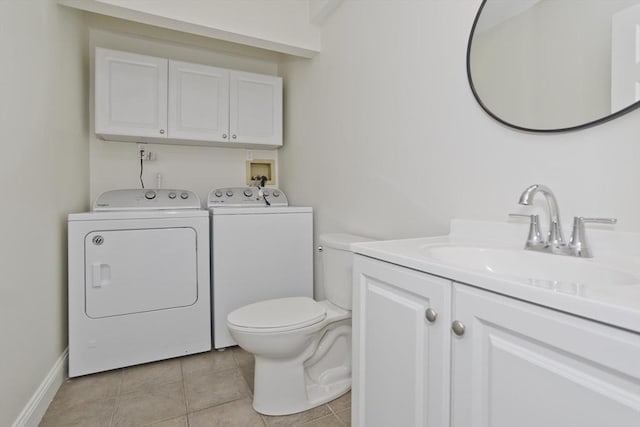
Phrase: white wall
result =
(384, 137)
(44, 175)
(114, 164)
(278, 25)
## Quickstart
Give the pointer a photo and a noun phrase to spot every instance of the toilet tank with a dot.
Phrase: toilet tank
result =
(337, 262)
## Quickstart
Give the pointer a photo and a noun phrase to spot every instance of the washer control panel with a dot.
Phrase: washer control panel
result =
(236, 197)
(149, 199)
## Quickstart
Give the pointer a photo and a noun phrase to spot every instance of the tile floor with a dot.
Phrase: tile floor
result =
(203, 390)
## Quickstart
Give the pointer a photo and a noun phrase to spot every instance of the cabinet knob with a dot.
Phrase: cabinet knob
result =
(431, 315)
(224, 136)
(233, 136)
(458, 328)
(161, 131)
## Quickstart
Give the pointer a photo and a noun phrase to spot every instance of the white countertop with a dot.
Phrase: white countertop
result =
(617, 305)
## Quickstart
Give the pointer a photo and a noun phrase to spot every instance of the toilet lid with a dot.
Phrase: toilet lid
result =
(281, 314)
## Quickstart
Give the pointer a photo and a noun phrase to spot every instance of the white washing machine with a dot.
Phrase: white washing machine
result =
(139, 287)
(261, 248)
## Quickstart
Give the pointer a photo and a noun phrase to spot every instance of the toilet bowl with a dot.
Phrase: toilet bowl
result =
(302, 347)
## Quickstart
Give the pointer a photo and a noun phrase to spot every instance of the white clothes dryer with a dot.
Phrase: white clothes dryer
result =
(261, 248)
(139, 287)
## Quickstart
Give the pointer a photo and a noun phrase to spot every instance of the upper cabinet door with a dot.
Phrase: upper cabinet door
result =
(198, 102)
(130, 94)
(255, 115)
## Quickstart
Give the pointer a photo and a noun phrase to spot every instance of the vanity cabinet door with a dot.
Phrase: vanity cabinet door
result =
(130, 94)
(519, 364)
(400, 358)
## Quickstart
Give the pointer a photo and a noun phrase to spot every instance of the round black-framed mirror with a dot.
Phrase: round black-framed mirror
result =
(531, 67)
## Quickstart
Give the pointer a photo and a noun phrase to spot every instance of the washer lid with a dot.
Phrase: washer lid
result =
(278, 314)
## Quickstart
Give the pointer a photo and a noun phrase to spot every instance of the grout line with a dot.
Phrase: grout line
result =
(117, 405)
(335, 415)
(184, 394)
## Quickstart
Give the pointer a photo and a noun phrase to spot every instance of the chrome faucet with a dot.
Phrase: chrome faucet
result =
(555, 237)
(555, 242)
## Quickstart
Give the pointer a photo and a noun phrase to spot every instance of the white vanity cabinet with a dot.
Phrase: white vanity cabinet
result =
(401, 358)
(140, 98)
(520, 364)
(515, 364)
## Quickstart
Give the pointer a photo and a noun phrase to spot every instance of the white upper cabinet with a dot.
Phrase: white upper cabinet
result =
(146, 99)
(256, 108)
(130, 94)
(198, 102)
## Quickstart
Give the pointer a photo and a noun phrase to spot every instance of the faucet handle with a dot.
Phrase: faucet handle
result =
(578, 245)
(535, 237)
(596, 220)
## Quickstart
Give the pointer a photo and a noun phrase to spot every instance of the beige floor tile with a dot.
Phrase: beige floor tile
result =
(242, 357)
(150, 375)
(341, 403)
(328, 421)
(210, 361)
(248, 370)
(97, 413)
(147, 406)
(174, 422)
(87, 388)
(238, 413)
(205, 389)
(345, 416)
(297, 419)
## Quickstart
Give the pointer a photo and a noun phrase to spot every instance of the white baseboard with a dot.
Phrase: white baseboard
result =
(33, 412)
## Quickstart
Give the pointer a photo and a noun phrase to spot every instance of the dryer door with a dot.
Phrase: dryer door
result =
(133, 271)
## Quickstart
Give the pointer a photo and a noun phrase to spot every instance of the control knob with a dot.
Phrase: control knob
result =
(276, 193)
(229, 193)
(172, 195)
(184, 195)
(248, 192)
(149, 195)
(218, 193)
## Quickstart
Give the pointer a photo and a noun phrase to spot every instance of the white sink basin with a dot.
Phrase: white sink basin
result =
(539, 269)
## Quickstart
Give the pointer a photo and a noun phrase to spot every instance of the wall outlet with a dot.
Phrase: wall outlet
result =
(145, 154)
(142, 151)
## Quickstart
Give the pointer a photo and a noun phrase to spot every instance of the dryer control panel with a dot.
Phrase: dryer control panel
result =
(146, 199)
(237, 197)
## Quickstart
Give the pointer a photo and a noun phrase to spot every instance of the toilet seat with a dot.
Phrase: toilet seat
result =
(278, 315)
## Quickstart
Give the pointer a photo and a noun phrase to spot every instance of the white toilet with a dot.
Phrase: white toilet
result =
(302, 347)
